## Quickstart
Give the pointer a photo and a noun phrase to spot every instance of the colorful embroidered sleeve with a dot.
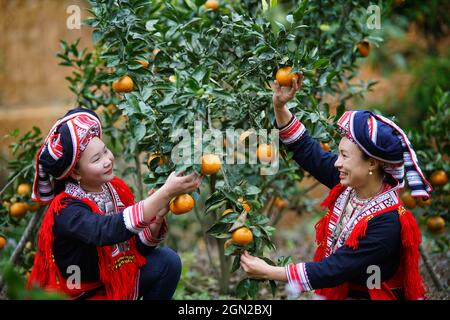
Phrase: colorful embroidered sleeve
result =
(150, 239)
(133, 217)
(297, 276)
(308, 153)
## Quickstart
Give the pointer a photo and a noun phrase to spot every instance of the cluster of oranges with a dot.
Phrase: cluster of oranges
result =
(18, 209)
(435, 223)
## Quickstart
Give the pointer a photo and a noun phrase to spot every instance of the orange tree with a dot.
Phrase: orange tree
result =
(159, 66)
(433, 144)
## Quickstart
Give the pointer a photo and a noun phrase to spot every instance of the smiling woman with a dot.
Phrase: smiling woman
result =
(94, 223)
(366, 224)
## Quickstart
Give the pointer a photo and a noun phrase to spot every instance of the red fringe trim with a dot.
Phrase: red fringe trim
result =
(332, 196)
(45, 272)
(357, 233)
(125, 193)
(411, 239)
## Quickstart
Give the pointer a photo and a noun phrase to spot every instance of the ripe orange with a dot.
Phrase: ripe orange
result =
(408, 200)
(210, 164)
(156, 51)
(325, 146)
(244, 204)
(284, 77)
(436, 224)
(162, 159)
(121, 122)
(227, 212)
(280, 203)
(111, 108)
(24, 189)
(35, 206)
(424, 203)
(18, 209)
(143, 63)
(264, 152)
(211, 5)
(364, 48)
(439, 178)
(2, 242)
(242, 236)
(182, 204)
(227, 244)
(124, 84)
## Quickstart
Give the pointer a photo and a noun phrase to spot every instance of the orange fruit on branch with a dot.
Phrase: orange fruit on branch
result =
(439, 178)
(2, 242)
(245, 205)
(143, 63)
(24, 189)
(182, 204)
(408, 200)
(284, 76)
(227, 244)
(325, 146)
(124, 84)
(18, 209)
(364, 48)
(264, 152)
(422, 203)
(280, 203)
(242, 236)
(210, 164)
(212, 5)
(35, 206)
(227, 212)
(154, 155)
(436, 224)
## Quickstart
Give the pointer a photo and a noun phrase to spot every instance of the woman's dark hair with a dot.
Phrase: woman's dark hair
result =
(364, 155)
(60, 185)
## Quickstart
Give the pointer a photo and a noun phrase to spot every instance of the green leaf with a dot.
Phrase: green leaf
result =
(321, 63)
(252, 190)
(96, 36)
(217, 228)
(215, 206)
(236, 263)
(242, 288)
(273, 287)
(139, 131)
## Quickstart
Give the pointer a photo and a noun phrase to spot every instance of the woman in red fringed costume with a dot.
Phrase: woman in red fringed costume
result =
(367, 242)
(95, 242)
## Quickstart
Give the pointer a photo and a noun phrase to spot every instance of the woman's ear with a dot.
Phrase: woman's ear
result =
(75, 174)
(374, 164)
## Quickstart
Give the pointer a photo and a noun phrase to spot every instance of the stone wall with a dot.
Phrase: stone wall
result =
(33, 89)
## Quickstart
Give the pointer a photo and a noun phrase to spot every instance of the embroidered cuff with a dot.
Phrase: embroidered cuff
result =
(292, 131)
(151, 240)
(133, 217)
(298, 281)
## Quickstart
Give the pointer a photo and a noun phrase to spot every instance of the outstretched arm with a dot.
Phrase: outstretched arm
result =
(307, 152)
